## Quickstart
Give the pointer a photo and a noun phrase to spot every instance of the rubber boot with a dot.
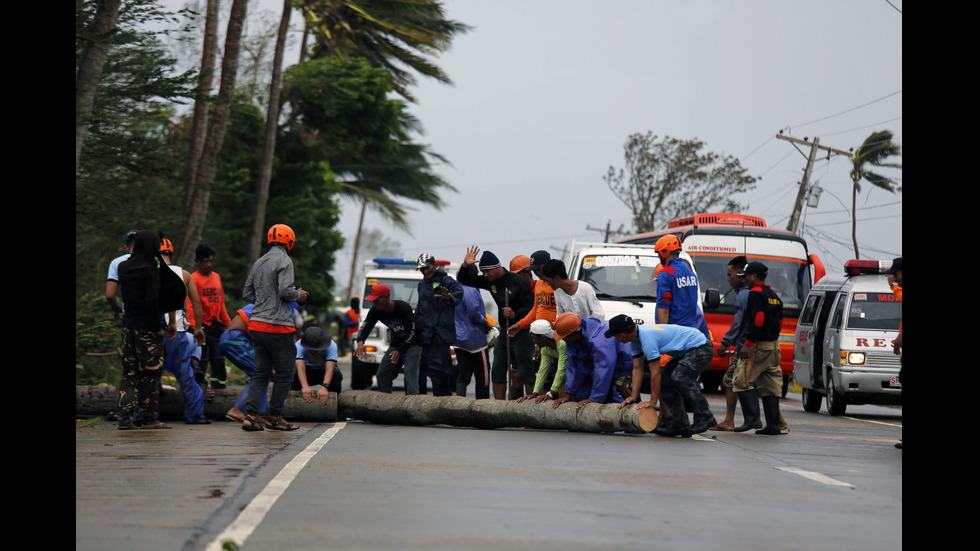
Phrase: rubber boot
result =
(460, 389)
(749, 400)
(770, 405)
(703, 422)
(675, 425)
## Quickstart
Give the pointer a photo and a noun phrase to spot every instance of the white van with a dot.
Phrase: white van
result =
(843, 345)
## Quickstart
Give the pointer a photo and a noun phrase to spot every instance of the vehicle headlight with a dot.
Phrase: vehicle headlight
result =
(853, 358)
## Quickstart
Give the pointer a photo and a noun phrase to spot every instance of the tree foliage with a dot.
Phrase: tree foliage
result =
(874, 152)
(397, 36)
(668, 178)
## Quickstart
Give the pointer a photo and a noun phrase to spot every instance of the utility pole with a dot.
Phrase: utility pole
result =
(794, 220)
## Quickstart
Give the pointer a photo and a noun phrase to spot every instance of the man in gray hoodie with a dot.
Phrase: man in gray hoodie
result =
(270, 287)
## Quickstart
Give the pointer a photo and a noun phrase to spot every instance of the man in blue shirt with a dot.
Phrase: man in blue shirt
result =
(316, 364)
(690, 353)
(677, 288)
(733, 339)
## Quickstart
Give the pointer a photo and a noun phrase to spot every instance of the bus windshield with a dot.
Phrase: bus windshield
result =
(621, 275)
(790, 279)
(874, 311)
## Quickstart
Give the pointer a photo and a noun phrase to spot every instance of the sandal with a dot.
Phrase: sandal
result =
(251, 423)
(156, 425)
(278, 423)
(235, 414)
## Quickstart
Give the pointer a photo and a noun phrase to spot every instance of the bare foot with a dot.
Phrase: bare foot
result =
(723, 426)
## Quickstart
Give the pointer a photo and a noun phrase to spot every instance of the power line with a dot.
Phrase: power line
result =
(849, 110)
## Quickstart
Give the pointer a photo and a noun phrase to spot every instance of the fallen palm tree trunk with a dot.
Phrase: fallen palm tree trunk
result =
(393, 409)
(101, 399)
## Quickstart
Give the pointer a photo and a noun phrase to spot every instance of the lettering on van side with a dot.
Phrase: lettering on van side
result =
(862, 342)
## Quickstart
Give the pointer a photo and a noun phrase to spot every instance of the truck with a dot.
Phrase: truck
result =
(710, 240)
(844, 340)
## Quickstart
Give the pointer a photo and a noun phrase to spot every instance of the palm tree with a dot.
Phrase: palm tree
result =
(390, 34)
(873, 152)
(196, 208)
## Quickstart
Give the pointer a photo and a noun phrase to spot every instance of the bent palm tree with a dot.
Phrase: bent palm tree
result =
(389, 34)
(873, 152)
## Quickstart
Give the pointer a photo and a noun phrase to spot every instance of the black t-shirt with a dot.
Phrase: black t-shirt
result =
(400, 321)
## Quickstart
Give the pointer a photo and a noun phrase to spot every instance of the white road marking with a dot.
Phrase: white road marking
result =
(252, 515)
(875, 422)
(823, 479)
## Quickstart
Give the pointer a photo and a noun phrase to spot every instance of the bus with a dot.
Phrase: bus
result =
(711, 240)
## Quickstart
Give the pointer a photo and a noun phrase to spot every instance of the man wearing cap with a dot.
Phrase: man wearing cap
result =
(112, 278)
(895, 281)
(733, 339)
(316, 364)
(690, 352)
(758, 373)
(596, 360)
(553, 353)
(513, 297)
(406, 341)
(435, 313)
(544, 295)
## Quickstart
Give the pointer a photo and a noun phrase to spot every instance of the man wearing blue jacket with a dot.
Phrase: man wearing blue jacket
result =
(597, 365)
(435, 313)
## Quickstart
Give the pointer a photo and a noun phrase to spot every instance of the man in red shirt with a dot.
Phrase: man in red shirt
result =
(216, 318)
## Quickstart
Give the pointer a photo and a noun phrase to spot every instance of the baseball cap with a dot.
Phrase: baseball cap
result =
(315, 339)
(543, 327)
(538, 258)
(896, 266)
(519, 263)
(378, 290)
(757, 268)
(566, 324)
(489, 261)
(620, 324)
(130, 237)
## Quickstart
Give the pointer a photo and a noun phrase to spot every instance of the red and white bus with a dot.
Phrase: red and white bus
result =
(711, 240)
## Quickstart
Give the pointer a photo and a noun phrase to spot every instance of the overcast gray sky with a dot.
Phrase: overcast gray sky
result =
(547, 92)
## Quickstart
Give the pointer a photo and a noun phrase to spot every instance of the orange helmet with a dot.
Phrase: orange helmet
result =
(283, 234)
(667, 244)
(166, 246)
(566, 324)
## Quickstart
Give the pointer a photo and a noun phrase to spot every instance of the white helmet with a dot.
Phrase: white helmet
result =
(543, 327)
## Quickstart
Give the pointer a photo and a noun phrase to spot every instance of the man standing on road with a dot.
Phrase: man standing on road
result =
(733, 338)
(435, 312)
(406, 340)
(690, 352)
(514, 300)
(571, 295)
(112, 278)
(216, 318)
(271, 328)
(758, 373)
(677, 288)
(895, 281)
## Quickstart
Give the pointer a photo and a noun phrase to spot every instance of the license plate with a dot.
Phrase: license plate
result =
(894, 383)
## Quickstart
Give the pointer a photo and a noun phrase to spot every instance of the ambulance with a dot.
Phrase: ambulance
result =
(711, 240)
(843, 344)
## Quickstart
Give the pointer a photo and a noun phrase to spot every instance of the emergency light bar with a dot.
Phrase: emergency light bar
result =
(855, 267)
(404, 262)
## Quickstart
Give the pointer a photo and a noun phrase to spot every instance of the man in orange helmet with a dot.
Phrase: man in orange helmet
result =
(271, 327)
(677, 288)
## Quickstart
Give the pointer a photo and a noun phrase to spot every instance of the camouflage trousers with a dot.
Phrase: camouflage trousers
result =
(142, 366)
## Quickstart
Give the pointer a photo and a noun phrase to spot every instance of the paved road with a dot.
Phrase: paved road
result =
(832, 482)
